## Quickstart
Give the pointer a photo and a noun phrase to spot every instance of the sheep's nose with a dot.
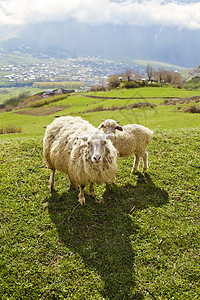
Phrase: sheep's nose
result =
(97, 158)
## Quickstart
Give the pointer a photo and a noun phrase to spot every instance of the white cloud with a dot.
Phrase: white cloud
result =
(95, 12)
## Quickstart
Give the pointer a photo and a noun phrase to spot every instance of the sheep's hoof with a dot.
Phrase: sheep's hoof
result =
(144, 171)
(93, 195)
(73, 187)
(81, 200)
(133, 171)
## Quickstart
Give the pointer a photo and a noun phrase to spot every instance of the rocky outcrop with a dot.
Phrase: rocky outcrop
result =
(192, 74)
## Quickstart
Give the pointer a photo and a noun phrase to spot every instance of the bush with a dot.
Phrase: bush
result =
(97, 108)
(98, 88)
(155, 84)
(14, 101)
(193, 108)
(59, 84)
(10, 129)
(131, 84)
(113, 82)
(45, 101)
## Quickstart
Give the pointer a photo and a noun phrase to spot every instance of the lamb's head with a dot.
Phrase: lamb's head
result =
(97, 144)
(109, 126)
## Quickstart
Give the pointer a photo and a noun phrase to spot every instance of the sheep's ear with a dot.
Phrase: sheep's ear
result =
(101, 126)
(85, 138)
(110, 136)
(103, 120)
(117, 122)
(119, 128)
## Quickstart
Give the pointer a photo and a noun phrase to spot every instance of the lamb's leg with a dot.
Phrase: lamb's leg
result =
(92, 190)
(81, 197)
(145, 162)
(136, 163)
(51, 181)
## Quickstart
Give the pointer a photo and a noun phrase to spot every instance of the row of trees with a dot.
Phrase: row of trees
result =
(129, 78)
(162, 75)
(60, 84)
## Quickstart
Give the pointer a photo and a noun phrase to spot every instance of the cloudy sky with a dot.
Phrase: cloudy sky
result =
(179, 13)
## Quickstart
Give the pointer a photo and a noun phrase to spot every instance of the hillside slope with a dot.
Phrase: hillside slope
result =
(193, 73)
(108, 41)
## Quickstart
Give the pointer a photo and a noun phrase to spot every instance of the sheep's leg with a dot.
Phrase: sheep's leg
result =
(92, 190)
(136, 163)
(145, 162)
(73, 187)
(81, 197)
(51, 181)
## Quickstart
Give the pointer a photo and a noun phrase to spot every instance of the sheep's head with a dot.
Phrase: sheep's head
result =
(109, 126)
(96, 144)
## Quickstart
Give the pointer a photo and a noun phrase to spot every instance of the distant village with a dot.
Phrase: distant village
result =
(90, 71)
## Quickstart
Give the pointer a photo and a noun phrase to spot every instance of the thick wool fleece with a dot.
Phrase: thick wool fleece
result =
(66, 151)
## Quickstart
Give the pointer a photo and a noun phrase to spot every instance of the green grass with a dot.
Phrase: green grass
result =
(163, 117)
(8, 93)
(77, 100)
(148, 92)
(193, 84)
(140, 238)
(30, 124)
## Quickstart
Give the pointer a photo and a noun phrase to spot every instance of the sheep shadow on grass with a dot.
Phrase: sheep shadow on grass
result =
(100, 232)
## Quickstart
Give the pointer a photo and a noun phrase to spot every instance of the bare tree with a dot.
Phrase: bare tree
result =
(128, 74)
(177, 78)
(113, 81)
(168, 76)
(149, 71)
(137, 75)
(159, 75)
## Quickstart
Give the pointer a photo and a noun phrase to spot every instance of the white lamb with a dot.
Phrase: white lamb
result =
(75, 147)
(129, 139)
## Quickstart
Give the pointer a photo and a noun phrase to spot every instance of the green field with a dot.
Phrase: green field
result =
(139, 239)
(157, 92)
(8, 93)
(161, 117)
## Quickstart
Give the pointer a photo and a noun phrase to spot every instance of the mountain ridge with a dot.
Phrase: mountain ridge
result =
(193, 73)
(108, 41)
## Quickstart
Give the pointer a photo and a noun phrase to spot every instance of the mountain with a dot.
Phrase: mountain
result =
(193, 74)
(123, 43)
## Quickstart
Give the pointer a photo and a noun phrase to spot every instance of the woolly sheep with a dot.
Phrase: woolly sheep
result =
(75, 147)
(130, 139)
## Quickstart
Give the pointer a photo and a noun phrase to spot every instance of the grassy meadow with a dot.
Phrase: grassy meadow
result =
(88, 105)
(140, 237)
(8, 93)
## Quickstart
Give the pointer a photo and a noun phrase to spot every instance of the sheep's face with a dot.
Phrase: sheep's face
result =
(97, 147)
(109, 126)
